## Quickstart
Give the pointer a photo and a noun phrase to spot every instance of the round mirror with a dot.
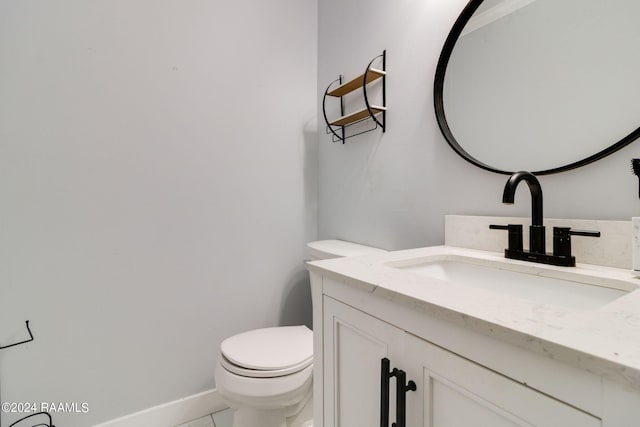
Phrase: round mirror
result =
(540, 85)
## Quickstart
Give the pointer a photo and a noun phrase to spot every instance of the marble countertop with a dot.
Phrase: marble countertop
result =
(603, 340)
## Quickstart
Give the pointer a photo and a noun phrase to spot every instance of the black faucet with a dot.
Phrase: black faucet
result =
(537, 242)
(561, 255)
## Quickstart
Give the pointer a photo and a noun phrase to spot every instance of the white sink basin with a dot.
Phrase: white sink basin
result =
(548, 286)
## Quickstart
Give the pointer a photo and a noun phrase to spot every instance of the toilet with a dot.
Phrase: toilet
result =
(265, 375)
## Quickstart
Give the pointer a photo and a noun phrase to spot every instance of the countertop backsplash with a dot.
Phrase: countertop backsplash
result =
(611, 249)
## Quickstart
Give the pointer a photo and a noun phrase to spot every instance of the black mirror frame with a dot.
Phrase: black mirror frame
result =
(438, 87)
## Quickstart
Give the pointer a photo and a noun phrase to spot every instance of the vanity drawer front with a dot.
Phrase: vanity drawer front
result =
(455, 392)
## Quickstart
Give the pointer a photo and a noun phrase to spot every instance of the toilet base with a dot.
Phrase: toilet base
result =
(249, 417)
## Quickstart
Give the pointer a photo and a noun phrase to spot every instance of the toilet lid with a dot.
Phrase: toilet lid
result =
(284, 349)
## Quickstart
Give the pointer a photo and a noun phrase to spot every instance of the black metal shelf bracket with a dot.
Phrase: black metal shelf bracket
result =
(2, 347)
(324, 112)
(384, 91)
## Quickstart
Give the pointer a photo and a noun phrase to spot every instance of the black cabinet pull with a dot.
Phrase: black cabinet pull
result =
(385, 376)
(402, 387)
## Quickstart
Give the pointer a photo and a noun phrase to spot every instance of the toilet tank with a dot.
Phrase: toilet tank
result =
(325, 249)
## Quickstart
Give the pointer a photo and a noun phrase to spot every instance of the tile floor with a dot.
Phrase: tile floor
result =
(218, 419)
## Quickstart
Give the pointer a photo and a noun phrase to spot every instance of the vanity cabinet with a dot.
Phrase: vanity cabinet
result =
(463, 378)
(451, 390)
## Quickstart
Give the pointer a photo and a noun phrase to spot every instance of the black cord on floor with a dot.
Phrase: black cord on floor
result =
(48, 415)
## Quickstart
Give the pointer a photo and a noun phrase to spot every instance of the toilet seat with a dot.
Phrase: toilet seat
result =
(268, 352)
(258, 373)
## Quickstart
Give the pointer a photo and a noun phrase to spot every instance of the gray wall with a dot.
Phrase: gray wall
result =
(157, 188)
(392, 190)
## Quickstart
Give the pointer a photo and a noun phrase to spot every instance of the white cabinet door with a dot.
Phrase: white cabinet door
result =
(455, 392)
(354, 344)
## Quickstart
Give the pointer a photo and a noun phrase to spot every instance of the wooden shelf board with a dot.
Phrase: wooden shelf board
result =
(358, 115)
(356, 83)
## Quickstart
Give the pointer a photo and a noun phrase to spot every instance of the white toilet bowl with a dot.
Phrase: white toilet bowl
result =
(265, 375)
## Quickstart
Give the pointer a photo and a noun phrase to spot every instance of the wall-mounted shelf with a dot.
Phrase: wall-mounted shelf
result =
(375, 113)
(357, 116)
(357, 83)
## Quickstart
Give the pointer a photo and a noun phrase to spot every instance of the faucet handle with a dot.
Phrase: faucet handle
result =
(584, 233)
(515, 235)
(562, 239)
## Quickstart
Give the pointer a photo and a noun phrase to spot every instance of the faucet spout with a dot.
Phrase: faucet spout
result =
(536, 231)
(536, 194)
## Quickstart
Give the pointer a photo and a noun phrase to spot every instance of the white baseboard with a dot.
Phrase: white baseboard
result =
(173, 413)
